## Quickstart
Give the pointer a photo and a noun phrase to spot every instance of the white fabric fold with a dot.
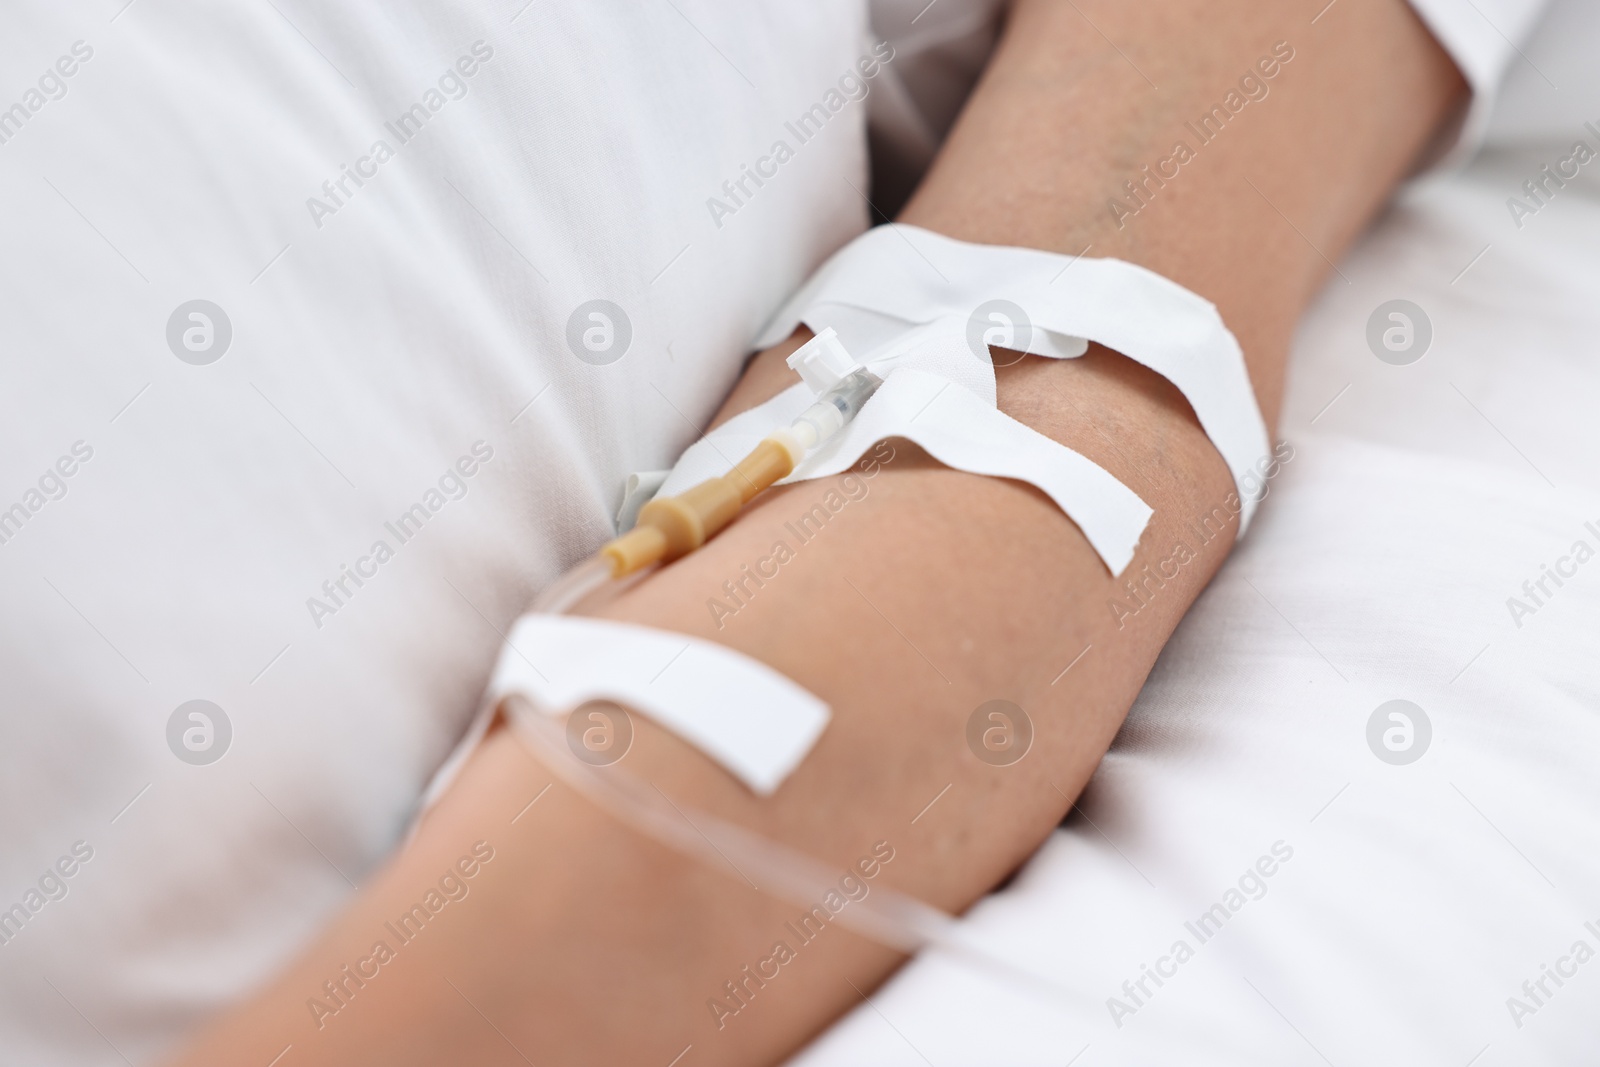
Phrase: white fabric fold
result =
(1484, 37)
(752, 720)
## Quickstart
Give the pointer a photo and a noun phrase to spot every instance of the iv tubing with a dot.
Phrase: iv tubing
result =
(671, 528)
(573, 586)
(887, 916)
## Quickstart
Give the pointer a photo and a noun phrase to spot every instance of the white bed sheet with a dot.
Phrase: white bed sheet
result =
(1418, 898)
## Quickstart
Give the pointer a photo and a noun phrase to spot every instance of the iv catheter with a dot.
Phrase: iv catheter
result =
(668, 529)
(676, 526)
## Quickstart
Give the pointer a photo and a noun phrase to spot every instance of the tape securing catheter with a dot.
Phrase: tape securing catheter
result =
(901, 297)
(899, 274)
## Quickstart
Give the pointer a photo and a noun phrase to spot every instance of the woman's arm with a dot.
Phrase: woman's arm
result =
(579, 941)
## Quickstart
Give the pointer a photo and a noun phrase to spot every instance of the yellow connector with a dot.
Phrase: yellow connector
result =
(672, 527)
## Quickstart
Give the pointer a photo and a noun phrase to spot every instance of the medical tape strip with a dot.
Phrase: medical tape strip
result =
(752, 720)
(957, 429)
(891, 290)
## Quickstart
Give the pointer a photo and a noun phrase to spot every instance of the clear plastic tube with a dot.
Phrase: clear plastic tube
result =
(573, 586)
(889, 917)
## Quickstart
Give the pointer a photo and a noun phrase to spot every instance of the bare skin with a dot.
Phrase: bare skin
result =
(581, 942)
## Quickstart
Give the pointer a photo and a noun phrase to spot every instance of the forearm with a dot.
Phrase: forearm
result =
(583, 942)
(927, 596)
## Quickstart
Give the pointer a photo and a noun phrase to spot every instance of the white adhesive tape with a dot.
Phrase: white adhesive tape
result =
(957, 429)
(901, 296)
(754, 721)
